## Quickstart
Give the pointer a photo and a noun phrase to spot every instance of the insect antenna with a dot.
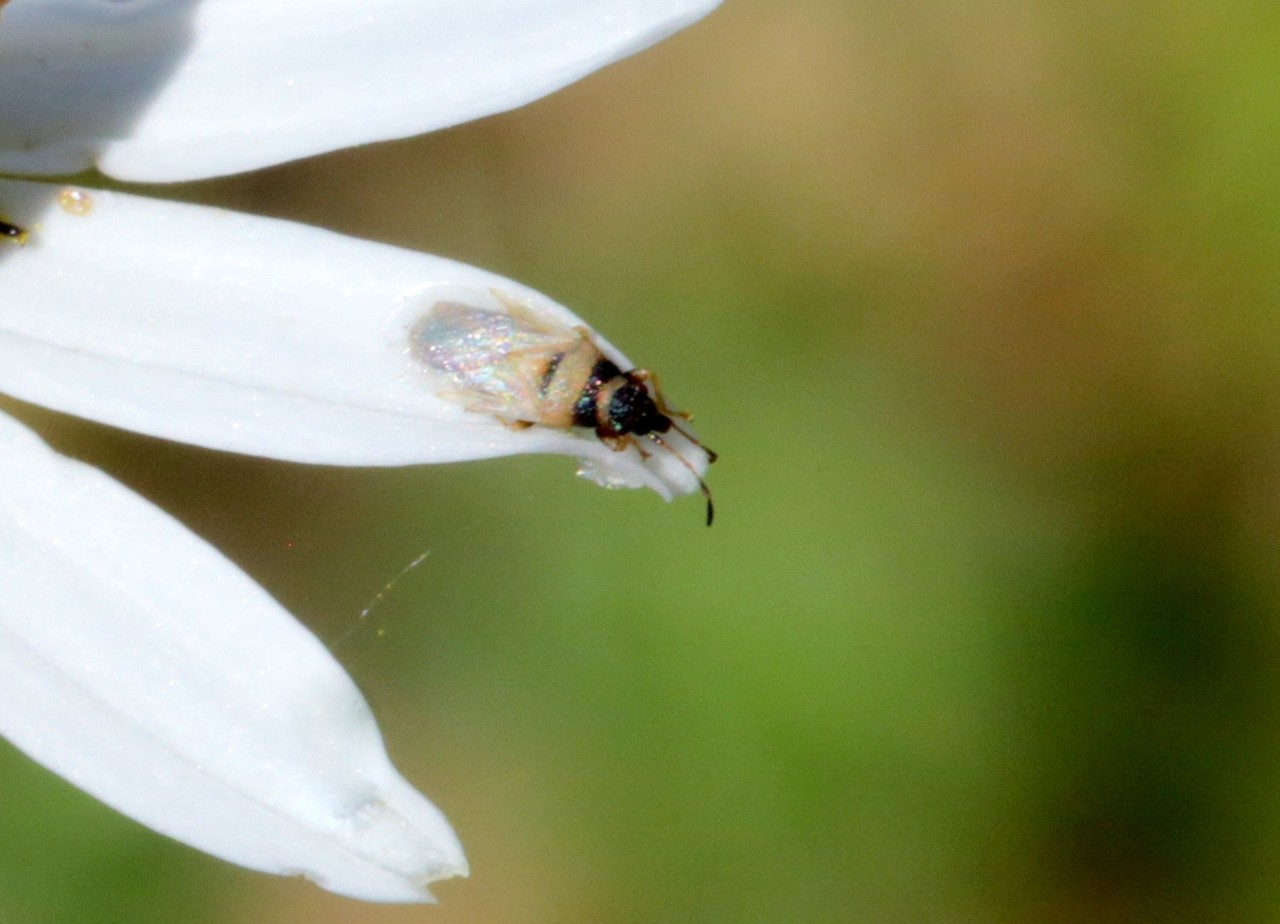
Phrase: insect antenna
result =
(711, 455)
(706, 492)
(647, 375)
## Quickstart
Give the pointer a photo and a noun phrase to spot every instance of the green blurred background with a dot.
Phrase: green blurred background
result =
(978, 303)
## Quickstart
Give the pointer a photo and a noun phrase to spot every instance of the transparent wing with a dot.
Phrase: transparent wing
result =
(494, 359)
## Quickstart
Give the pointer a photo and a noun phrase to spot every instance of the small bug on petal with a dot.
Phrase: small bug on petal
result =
(527, 371)
(12, 233)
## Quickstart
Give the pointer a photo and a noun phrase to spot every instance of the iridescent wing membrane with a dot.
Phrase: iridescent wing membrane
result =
(496, 361)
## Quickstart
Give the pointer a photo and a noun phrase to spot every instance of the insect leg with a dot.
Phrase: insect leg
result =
(621, 443)
(648, 377)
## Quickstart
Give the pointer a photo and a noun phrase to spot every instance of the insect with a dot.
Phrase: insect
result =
(528, 372)
(12, 232)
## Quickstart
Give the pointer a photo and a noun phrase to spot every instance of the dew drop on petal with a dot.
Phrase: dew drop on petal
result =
(75, 201)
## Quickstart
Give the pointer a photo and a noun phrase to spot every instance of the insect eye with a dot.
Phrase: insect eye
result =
(631, 410)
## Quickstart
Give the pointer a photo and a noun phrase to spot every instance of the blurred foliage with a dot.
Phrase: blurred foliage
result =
(978, 303)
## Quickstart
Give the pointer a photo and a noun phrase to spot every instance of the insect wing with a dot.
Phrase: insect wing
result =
(494, 359)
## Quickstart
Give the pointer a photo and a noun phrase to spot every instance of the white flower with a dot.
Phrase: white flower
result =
(134, 659)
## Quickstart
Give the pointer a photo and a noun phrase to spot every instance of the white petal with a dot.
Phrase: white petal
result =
(141, 665)
(258, 336)
(161, 90)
